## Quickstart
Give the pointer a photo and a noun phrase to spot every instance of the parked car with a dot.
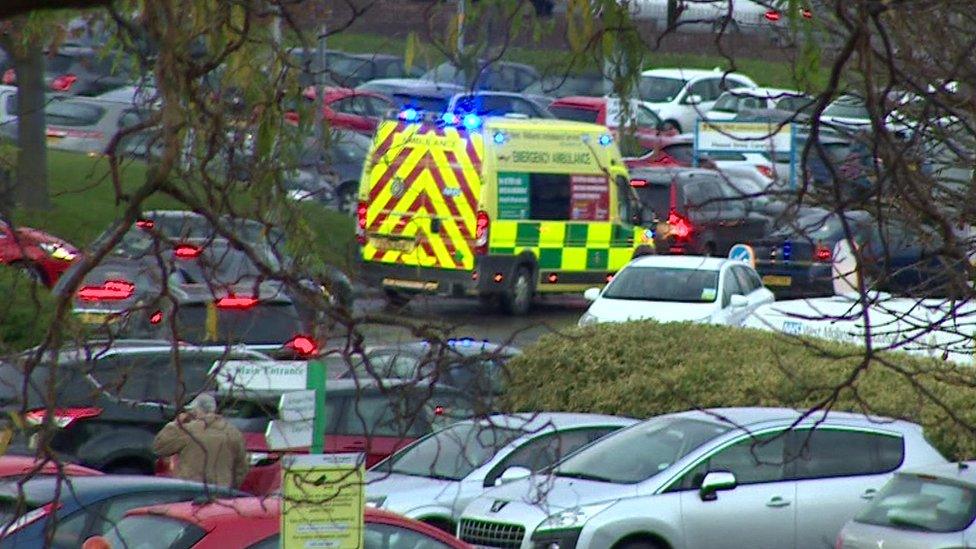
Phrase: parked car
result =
(924, 507)
(673, 289)
(79, 507)
(486, 76)
(307, 63)
(847, 112)
(565, 85)
(349, 109)
(8, 104)
(374, 417)
(681, 96)
(719, 478)
(797, 260)
(254, 523)
(608, 111)
(433, 479)
(699, 211)
(80, 70)
(745, 101)
(476, 368)
(110, 398)
(331, 174)
(493, 103)
(354, 69)
(42, 256)
(422, 95)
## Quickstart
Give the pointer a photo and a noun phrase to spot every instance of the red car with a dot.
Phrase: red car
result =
(665, 151)
(43, 256)
(21, 466)
(606, 111)
(251, 523)
(349, 109)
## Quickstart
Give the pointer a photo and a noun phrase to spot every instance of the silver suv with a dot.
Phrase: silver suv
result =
(733, 477)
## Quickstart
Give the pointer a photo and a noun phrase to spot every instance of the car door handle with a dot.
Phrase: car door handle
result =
(869, 493)
(777, 501)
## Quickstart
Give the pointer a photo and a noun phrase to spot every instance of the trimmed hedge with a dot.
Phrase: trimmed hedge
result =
(642, 369)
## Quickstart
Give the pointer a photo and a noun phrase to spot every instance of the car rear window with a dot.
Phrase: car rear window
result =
(922, 503)
(664, 284)
(154, 532)
(574, 113)
(420, 102)
(656, 197)
(262, 324)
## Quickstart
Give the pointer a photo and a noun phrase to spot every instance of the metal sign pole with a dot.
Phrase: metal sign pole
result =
(315, 380)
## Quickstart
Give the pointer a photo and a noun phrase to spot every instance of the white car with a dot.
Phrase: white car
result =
(735, 103)
(433, 479)
(672, 288)
(681, 96)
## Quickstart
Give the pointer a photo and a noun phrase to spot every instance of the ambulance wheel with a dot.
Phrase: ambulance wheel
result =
(518, 299)
(395, 299)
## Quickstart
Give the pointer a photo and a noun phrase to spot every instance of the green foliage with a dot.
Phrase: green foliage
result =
(26, 311)
(642, 369)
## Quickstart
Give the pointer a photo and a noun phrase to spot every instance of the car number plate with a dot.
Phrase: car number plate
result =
(392, 244)
(421, 285)
(777, 280)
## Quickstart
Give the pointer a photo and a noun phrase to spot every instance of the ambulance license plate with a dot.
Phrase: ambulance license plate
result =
(777, 280)
(400, 245)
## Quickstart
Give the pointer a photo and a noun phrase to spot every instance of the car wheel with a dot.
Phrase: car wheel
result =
(640, 544)
(710, 250)
(671, 126)
(346, 198)
(518, 299)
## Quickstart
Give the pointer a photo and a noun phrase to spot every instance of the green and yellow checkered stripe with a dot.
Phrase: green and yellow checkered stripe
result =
(565, 246)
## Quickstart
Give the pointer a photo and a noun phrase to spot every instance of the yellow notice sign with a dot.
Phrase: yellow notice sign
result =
(322, 501)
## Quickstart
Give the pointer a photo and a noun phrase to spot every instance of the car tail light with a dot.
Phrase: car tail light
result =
(187, 251)
(156, 317)
(439, 410)
(766, 171)
(64, 82)
(236, 302)
(638, 183)
(772, 15)
(806, 13)
(110, 290)
(680, 226)
(63, 417)
(361, 222)
(30, 517)
(303, 346)
(822, 253)
(9, 77)
(482, 225)
(145, 224)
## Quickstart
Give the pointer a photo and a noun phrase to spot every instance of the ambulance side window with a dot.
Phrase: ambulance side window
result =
(549, 197)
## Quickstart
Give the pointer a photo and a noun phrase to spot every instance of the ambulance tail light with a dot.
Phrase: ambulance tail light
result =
(361, 223)
(482, 224)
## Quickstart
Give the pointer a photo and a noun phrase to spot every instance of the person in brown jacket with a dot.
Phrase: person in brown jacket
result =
(208, 448)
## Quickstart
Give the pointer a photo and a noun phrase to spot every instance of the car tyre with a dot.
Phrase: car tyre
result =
(517, 300)
(671, 125)
(640, 544)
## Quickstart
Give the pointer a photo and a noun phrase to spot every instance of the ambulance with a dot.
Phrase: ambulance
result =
(503, 208)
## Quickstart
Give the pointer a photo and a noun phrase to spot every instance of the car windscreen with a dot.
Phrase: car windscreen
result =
(664, 284)
(656, 89)
(847, 109)
(420, 102)
(922, 503)
(639, 452)
(452, 453)
(153, 532)
(577, 114)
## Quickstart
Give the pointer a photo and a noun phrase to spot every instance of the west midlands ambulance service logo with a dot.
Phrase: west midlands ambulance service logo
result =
(397, 187)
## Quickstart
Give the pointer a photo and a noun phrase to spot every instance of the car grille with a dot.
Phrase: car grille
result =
(492, 534)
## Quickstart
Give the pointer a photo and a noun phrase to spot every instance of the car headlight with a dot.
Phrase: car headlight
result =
(573, 518)
(376, 502)
(57, 251)
(588, 319)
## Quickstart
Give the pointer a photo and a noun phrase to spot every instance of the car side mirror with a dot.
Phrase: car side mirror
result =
(738, 301)
(513, 473)
(693, 99)
(592, 294)
(715, 482)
